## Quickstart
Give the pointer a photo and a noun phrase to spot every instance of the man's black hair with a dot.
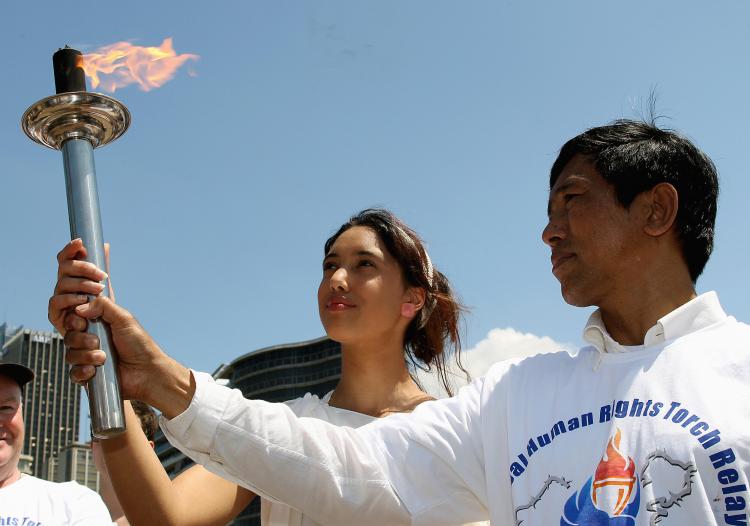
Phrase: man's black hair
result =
(635, 156)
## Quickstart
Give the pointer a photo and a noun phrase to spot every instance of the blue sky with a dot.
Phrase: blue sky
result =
(219, 198)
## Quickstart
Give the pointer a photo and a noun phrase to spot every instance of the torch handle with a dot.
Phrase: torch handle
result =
(105, 402)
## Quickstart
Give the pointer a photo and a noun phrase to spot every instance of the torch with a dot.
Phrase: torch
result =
(76, 121)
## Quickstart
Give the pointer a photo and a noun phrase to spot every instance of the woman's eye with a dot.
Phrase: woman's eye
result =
(366, 263)
(328, 266)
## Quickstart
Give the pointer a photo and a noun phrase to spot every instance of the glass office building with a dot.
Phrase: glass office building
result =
(274, 374)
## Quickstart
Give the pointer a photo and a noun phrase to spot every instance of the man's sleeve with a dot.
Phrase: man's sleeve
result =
(338, 475)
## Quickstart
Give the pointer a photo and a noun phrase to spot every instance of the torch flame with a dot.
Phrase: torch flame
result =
(117, 65)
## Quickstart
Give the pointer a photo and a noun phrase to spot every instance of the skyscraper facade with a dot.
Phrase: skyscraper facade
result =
(74, 462)
(51, 402)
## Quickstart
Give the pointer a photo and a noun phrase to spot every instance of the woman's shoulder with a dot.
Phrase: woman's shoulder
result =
(304, 405)
(313, 406)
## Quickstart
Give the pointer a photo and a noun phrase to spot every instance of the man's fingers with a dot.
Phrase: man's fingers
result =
(72, 250)
(105, 309)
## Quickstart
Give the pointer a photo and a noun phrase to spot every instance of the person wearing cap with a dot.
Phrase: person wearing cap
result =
(27, 500)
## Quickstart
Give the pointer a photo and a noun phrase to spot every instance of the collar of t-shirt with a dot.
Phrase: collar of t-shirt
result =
(694, 315)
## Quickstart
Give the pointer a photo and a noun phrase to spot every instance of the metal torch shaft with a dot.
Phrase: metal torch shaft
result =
(105, 403)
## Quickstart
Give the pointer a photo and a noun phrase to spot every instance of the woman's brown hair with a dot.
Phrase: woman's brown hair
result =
(433, 334)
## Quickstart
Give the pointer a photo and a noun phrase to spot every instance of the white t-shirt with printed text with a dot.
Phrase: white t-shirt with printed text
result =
(35, 502)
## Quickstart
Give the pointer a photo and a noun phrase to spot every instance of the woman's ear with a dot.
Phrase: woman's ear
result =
(413, 301)
(408, 310)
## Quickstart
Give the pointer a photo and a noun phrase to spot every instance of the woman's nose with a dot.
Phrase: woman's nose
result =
(339, 280)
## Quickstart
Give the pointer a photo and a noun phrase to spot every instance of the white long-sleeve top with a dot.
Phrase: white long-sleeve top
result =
(658, 433)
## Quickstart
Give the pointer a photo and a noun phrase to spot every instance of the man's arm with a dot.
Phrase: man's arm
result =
(426, 468)
(422, 468)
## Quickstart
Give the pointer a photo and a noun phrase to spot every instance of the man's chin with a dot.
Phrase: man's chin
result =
(574, 297)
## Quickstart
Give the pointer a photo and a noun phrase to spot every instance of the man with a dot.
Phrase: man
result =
(147, 419)
(648, 424)
(27, 500)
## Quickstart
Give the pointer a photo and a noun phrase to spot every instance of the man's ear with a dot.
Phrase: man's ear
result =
(413, 301)
(662, 202)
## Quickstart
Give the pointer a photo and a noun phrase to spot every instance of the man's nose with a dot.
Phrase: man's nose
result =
(553, 233)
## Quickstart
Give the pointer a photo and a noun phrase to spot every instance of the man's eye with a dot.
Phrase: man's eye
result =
(328, 266)
(568, 197)
(366, 263)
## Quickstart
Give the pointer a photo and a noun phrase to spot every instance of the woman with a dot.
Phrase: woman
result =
(379, 296)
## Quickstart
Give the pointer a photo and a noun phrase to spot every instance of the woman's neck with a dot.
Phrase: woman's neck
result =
(375, 381)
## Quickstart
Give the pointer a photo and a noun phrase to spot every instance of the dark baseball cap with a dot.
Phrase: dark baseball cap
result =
(21, 374)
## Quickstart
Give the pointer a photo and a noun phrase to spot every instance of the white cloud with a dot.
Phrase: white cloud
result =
(499, 345)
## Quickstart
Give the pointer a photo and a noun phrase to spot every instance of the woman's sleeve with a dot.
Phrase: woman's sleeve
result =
(422, 468)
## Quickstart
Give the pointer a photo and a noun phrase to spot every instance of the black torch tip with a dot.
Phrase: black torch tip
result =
(68, 65)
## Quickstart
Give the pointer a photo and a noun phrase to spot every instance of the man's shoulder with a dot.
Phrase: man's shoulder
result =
(541, 362)
(69, 488)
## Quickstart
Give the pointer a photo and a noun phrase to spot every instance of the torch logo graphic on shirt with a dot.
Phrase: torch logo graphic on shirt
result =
(611, 496)
(614, 479)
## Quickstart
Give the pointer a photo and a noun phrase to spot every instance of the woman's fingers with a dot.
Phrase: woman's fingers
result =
(73, 322)
(107, 267)
(78, 357)
(59, 304)
(82, 341)
(78, 286)
(83, 361)
(74, 249)
(83, 353)
(82, 373)
(80, 269)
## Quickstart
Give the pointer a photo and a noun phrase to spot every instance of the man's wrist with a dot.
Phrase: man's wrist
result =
(175, 389)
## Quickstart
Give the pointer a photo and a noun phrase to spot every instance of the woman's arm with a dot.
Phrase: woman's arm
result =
(147, 495)
(143, 488)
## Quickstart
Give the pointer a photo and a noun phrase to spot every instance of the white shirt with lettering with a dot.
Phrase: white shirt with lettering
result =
(35, 502)
(656, 434)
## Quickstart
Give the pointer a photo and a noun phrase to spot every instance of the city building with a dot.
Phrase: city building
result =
(274, 374)
(74, 462)
(24, 464)
(51, 403)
